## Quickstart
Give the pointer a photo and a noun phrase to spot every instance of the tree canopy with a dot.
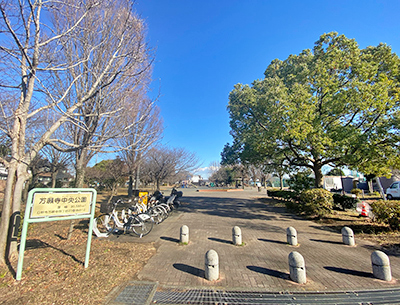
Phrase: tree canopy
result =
(333, 105)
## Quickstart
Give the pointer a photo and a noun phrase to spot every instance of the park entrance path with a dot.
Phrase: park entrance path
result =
(262, 263)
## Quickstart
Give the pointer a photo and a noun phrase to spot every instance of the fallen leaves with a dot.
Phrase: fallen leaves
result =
(54, 270)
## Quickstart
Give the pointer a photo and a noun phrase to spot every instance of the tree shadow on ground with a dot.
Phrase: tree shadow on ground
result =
(37, 243)
(269, 272)
(190, 269)
(228, 207)
(390, 250)
(367, 228)
(349, 271)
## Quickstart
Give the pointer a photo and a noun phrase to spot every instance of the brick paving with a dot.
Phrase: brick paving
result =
(262, 263)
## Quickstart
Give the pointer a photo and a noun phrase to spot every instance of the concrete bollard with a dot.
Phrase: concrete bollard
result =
(348, 236)
(236, 236)
(291, 236)
(184, 234)
(381, 266)
(211, 265)
(297, 268)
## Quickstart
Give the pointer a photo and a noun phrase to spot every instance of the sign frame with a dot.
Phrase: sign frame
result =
(55, 216)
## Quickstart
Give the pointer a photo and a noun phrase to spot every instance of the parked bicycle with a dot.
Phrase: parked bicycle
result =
(139, 223)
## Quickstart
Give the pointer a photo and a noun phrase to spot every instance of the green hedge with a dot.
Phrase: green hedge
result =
(316, 202)
(344, 202)
(387, 212)
(282, 194)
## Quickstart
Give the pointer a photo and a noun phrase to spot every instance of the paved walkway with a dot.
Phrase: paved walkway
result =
(262, 263)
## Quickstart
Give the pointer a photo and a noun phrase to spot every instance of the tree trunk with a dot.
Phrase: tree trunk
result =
(281, 181)
(22, 177)
(54, 178)
(27, 185)
(378, 181)
(79, 179)
(318, 175)
(130, 186)
(137, 171)
(371, 186)
(6, 213)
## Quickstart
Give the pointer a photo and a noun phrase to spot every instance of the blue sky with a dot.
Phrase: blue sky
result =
(203, 48)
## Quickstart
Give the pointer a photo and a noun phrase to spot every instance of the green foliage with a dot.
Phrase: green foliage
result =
(300, 181)
(108, 173)
(356, 192)
(225, 174)
(376, 193)
(334, 104)
(387, 212)
(230, 155)
(343, 202)
(282, 194)
(316, 202)
(335, 172)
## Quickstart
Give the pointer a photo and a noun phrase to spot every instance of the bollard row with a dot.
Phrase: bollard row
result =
(380, 261)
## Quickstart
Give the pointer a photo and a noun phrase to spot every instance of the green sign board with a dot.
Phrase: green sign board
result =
(57, 204)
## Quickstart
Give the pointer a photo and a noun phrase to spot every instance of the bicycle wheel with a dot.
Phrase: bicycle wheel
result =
(156, 213)
(164, 212)
(142, 224)
(105, 223)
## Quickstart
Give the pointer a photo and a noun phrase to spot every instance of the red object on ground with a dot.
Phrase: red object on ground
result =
(364, 210)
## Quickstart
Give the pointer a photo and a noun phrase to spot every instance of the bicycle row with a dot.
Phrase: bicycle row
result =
(138, 218)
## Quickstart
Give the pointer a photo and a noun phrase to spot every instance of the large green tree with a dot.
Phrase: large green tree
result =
(336, 104)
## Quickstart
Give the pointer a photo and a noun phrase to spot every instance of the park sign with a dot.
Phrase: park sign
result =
(60, 204)
(46, 204)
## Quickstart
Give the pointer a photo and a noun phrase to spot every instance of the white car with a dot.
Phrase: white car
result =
(393, 191)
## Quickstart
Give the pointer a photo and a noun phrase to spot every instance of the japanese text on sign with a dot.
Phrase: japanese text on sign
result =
(60, 204)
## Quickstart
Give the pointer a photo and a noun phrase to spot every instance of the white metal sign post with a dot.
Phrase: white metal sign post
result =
(57, 204)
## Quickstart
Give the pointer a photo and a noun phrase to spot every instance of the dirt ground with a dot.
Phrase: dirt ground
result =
(53, 271)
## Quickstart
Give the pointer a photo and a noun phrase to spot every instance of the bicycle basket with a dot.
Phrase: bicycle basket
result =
(106, 208)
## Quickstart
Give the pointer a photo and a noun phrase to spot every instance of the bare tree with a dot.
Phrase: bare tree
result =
(162, 164)
(38, 84)
(146, 131)
(58, 161)
(117, 34)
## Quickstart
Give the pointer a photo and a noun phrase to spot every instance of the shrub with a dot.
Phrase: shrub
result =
(301, 181)
(295, 207)
(344, 202)
(387, 212)
(318, 202)
(273, 192)
(356, 192)
(376, 193)
(282, 194)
